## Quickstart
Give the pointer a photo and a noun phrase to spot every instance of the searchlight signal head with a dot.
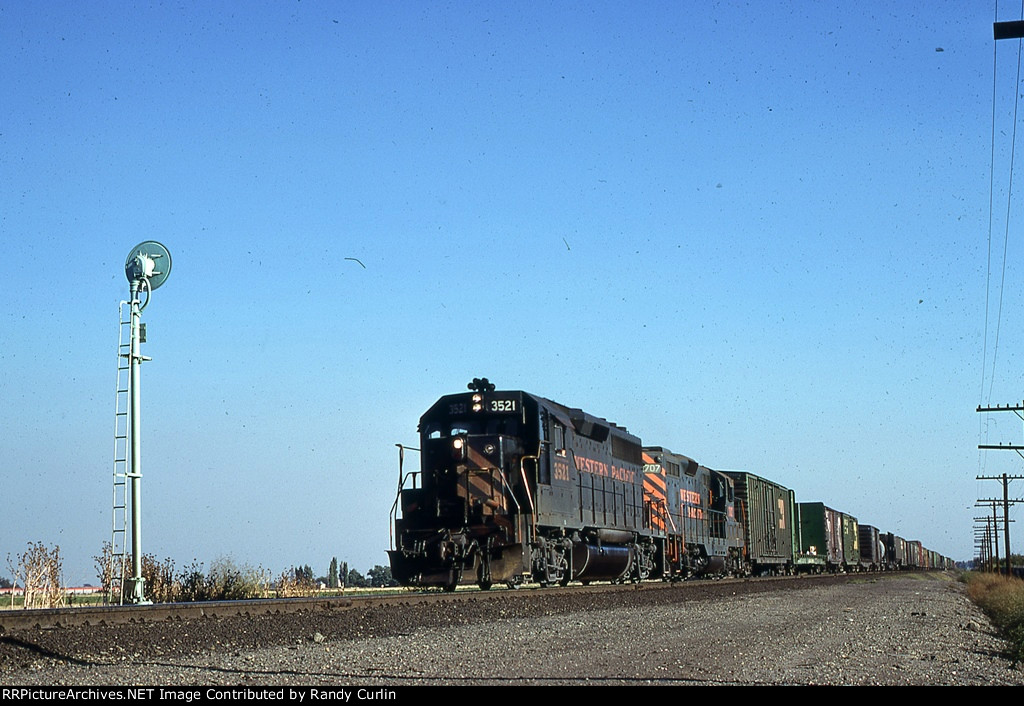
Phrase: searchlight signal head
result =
(149, 261)
(481, 385)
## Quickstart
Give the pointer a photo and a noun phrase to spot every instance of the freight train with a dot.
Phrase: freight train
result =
(515, 488)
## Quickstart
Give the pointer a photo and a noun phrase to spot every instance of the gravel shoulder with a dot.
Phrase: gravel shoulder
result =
(909, 629)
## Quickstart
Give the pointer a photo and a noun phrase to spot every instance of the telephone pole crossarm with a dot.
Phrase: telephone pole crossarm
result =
(1003, 408)
(1013, 29)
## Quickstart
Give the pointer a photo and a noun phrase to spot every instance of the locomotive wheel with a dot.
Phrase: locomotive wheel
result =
(453, 580)
(483, 576)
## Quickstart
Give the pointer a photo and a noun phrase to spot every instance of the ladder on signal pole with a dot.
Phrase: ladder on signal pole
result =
(122, 431)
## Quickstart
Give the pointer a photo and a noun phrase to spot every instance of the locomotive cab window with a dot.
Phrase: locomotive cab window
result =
(494, 425)
(558, 438)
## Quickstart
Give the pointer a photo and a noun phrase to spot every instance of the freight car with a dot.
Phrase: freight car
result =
(821, 533)
(914, 555)
(514, 487)
(872, 549)
(851, 542)
(766, 510)
(895, 552)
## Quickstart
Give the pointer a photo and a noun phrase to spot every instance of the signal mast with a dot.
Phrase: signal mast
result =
(147, 267)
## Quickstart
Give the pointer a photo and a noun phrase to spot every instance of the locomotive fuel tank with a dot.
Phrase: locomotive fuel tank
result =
(600, 563)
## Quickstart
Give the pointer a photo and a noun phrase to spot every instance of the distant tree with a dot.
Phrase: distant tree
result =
(332, 573)
(355, 579)
(5, 583)
(380, 576)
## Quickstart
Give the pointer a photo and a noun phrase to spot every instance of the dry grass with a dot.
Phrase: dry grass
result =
(1002, 599)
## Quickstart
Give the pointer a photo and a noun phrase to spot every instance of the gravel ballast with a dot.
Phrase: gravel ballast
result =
(913, 629)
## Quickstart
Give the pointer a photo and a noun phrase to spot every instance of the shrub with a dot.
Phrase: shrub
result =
(295, 582)
(228, 582)
(40, 571)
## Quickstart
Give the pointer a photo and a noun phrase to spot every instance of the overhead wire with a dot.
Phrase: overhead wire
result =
(1009, 199)
(991, 213)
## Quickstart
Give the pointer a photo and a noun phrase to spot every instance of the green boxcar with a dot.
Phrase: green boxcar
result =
(831, 534)
(821, 534)
(767, 512)
(851, 543)
(810, 557)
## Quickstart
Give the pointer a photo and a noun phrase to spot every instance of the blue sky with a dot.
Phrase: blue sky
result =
(754, 233)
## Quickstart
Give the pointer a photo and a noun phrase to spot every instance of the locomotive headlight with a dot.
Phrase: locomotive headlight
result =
(478, 402)
(458, 443)
(459, 448)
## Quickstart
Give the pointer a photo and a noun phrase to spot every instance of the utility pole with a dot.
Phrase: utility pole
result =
(983, 544)
(1004, 30)
(983, 541)
(990, 538)
(1006, 502)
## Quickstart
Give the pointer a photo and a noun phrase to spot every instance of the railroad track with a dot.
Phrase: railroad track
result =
(51, 618)
(15, 620)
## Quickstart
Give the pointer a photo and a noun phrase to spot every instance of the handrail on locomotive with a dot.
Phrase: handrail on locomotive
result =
(401, 486)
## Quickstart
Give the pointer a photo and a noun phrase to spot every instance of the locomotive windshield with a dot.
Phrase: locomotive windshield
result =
(508, 426)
